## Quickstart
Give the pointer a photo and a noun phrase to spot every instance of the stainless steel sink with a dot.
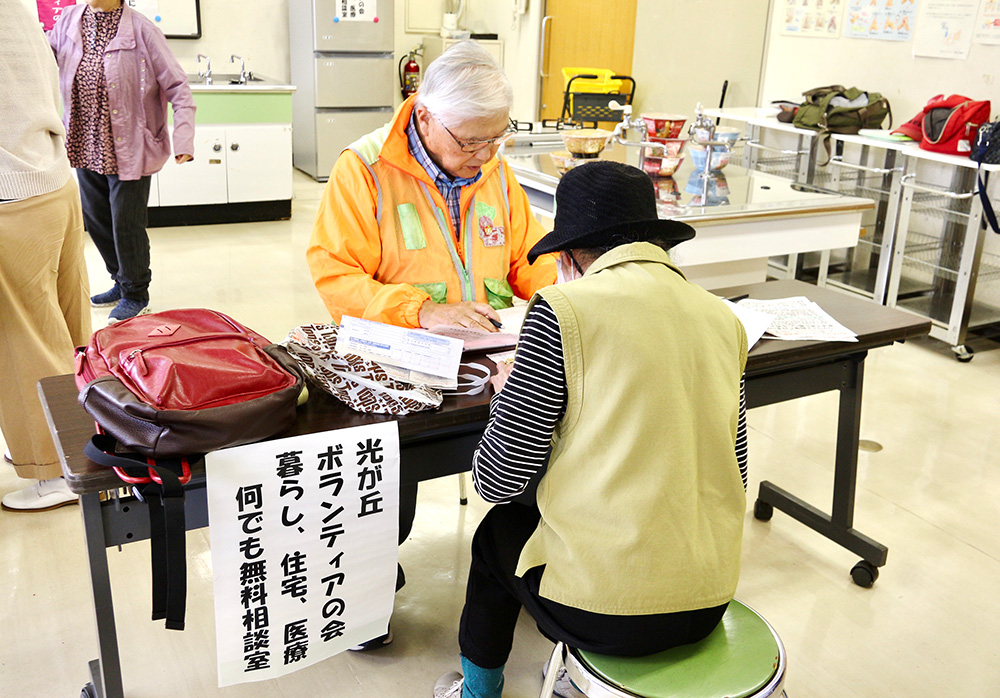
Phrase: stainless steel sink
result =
(223, 79)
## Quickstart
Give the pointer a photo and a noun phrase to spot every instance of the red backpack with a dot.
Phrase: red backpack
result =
(950, 124)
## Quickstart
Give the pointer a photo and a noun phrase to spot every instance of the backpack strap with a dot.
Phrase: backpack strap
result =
(167, 527)
(991, 217)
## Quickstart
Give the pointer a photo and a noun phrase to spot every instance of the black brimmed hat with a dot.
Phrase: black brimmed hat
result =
(605, 204)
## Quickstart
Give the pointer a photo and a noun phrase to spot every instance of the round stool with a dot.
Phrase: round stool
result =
(742, 658)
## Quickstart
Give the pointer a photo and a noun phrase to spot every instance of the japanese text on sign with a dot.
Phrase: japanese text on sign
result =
(304, 543)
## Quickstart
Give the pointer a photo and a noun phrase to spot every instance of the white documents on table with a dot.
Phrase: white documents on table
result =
(799, 318)
(413, 356)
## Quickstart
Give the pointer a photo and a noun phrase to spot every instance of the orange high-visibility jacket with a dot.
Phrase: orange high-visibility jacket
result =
(383, 242)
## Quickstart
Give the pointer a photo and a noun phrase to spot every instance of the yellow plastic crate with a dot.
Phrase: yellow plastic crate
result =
(602, 84)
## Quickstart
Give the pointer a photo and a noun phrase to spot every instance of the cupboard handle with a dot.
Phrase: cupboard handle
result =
(541, 48)
(948, 194)
(217, 147)
(761, 146)
(234, 146)
(838, 160)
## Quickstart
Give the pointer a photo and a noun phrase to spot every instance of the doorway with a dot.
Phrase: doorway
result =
(588, 34)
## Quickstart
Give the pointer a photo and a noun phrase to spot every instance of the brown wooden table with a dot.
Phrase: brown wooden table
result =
(441, 442)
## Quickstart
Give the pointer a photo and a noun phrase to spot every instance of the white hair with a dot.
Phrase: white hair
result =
(463, 83)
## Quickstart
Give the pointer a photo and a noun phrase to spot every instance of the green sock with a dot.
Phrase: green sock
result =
(480, 682)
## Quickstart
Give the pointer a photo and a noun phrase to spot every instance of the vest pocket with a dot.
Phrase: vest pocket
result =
(499, 294)
(438, 290)
(410, 226)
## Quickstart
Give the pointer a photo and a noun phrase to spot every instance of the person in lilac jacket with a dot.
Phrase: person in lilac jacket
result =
(116, 76)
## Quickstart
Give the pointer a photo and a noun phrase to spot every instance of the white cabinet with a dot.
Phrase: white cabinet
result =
(259, 162)
(233, 163)
(202, 180)
(434, 46)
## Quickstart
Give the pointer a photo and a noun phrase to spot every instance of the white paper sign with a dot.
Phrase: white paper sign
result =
(356, 11)
(304, 547)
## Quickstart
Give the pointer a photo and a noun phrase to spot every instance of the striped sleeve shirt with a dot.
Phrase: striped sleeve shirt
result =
(516, 444)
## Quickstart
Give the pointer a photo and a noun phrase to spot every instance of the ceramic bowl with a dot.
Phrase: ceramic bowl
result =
(727, 133)
(664, 125)
(586, 141)
(661, 167)
(673, 146)
(698, 153)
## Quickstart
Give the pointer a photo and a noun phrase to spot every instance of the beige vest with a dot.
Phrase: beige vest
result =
(642, 503)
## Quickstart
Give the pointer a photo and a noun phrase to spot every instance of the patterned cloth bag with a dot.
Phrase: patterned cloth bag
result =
(361, 384)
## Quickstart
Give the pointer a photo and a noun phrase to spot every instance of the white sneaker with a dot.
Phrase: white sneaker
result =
(42, 496)
(449, 686)
(563, 688)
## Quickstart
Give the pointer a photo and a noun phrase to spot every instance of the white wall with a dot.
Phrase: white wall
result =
(795, 64)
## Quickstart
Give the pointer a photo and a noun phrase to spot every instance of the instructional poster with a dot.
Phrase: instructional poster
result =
(813, 18)
(988, 23)
(304, 545)
(890, 20)
(944, 28)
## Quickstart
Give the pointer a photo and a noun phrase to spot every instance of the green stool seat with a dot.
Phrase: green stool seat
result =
(743, 657)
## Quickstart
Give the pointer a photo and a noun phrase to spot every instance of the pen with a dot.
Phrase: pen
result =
(495, 323)
(734, 299)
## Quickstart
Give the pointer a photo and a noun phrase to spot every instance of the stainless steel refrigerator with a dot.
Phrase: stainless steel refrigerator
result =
(343, 65)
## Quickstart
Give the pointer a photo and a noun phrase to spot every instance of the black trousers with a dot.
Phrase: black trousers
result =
(115, 215)
(494, 597)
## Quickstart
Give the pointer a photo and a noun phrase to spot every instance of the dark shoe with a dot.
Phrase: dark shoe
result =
(107, 298)
(127, 308)
(375, 643)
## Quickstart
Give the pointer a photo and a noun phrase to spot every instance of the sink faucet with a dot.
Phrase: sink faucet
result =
(207, 73)
(243, 72)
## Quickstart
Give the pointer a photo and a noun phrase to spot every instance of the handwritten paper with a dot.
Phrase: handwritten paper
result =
(799, 318)
(755, 322)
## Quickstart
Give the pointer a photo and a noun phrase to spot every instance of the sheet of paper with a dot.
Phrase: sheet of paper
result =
(304, 547)
(416, 354)
(754, 322)
(799, 318)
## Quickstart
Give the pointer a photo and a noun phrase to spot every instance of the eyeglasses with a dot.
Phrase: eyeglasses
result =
(476, 146)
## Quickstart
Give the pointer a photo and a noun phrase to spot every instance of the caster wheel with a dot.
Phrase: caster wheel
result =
(864, 574)
(963, 353)
(762, 511)
(88, 691)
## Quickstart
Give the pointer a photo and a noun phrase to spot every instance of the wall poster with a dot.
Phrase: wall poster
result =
(814, 18)
(890, 20)
(944, 28)
(304, 547)
(988, 23)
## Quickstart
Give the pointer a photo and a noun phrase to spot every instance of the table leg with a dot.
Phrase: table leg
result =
(106, 672)
(838, 526)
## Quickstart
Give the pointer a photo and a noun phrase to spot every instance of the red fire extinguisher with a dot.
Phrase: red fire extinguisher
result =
(409, 74)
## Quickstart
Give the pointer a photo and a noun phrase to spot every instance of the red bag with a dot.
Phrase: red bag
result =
(950, 124)
(186, 382)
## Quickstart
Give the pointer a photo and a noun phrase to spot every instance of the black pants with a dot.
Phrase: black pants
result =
(494, 597)
(115, 214)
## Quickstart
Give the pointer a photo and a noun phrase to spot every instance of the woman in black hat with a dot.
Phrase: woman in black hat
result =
(624, 409)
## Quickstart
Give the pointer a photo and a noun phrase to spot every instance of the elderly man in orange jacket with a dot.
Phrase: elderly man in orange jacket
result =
(422, 223)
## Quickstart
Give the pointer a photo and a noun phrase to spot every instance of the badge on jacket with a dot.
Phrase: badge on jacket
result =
(490, 233)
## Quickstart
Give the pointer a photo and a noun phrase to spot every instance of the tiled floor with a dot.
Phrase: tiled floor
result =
(929, 627)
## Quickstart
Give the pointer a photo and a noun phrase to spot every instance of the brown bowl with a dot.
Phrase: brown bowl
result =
(588, 142)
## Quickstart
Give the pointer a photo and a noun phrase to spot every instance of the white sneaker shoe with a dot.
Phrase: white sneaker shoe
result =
(563, 687)
(42, 496)
(449, 686)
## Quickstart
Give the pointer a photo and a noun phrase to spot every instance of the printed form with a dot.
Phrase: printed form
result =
(414, 356)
